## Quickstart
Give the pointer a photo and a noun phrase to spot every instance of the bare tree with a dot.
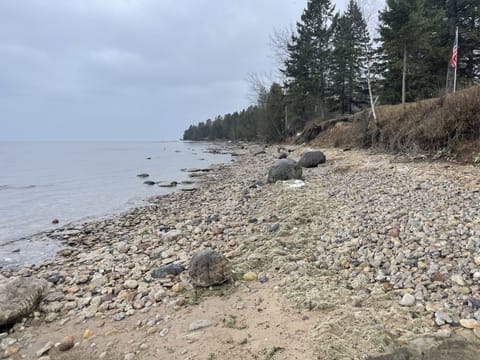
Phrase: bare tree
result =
(368, 9)
(258, 87)
(279, 41)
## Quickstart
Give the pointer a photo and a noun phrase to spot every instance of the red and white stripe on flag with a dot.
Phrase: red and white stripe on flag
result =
(453, 59)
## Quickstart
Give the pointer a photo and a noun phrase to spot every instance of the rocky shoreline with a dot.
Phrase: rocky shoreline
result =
(382, 251)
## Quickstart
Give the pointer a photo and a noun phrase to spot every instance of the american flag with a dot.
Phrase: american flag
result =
(453, 59)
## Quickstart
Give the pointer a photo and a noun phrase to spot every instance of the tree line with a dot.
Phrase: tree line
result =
(333, 66)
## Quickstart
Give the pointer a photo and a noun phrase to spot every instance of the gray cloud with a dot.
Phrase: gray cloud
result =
(129, 69)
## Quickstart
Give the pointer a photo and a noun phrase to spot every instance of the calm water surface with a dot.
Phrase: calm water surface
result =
(78, 181)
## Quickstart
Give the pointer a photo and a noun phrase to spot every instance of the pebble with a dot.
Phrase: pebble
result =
(45, 349)
(55, 278)
(119, 316)
(151, 330)
(394, 232)
(87, 334)
(67, 343)
(407, 300)
(447, 332)
(250, 276)
(274, 228)
(193, 337)
(442, 318)
(151, 322)
(199, 324)
(426, 238)
(457, 279)
(476, 260)
(262, 278)
(130, 284)
(178, 288)
(164, 332)
(160, 295)
(129, 356)
(470, 323)
(98, 280)
(50, 317)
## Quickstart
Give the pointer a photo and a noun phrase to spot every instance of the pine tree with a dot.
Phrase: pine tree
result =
(339, 62)
(404, 30)
(307, 66)
(352, 47)
(271, 125)
(429, 66)
(466, 15)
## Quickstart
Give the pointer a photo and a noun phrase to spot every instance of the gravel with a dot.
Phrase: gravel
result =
(363, 232)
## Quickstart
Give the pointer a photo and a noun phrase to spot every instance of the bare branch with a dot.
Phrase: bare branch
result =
(369, 9)
(258, 87)
(279, 41)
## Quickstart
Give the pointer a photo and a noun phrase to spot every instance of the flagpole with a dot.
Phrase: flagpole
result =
(448, 76)
(455, 74)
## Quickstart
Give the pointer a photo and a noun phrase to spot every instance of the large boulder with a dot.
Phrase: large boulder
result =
(284, 169)
(19, 297)
(208, 267)
(312, 159)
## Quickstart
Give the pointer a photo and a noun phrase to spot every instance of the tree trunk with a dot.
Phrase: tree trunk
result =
(369, 84)
(404, 75)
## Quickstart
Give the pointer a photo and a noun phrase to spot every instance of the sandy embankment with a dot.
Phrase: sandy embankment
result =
(340, 253)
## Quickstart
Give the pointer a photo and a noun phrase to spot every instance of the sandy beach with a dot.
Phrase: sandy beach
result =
(370, 254)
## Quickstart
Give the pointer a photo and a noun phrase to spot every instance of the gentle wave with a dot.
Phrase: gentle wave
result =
(17, 187)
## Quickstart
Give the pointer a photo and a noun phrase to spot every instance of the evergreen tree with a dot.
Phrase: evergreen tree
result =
(272, 126)
(339, 62)
(466, 15)
(396, 25)
(433, 27)
(404, 31)
(217, 131)
(352, 48)
(430, 60)
(307, 67)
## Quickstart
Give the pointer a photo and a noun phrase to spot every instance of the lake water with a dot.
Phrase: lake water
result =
(81, 181)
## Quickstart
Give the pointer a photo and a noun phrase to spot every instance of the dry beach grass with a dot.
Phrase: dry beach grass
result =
(339, 254)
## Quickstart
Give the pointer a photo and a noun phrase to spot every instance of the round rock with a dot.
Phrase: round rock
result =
(208, 267)
(407, 300)
(284, 169)
(312, 159)
(67, 343)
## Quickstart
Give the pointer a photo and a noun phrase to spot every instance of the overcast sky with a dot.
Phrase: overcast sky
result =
(130, 69)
